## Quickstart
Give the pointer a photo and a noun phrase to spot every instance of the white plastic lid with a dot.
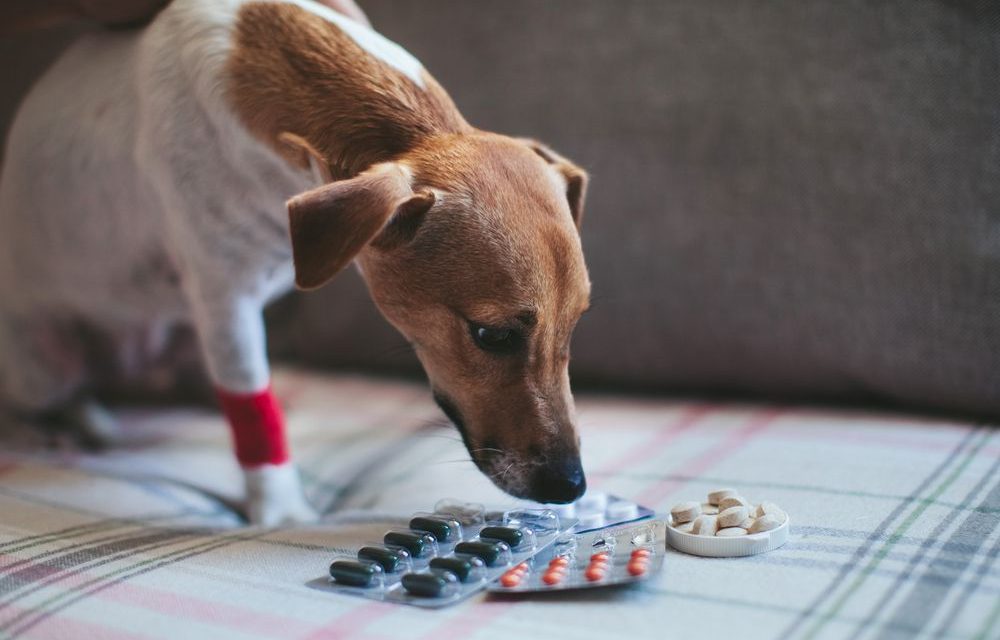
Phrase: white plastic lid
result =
(729, 547)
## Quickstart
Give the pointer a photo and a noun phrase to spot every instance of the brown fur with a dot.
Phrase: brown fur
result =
(482, 230)
(500, 250)
(292, 71)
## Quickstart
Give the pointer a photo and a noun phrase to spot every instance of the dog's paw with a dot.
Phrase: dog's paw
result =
(93, 426)
(84, 423)
(274, 496)
(266, 513)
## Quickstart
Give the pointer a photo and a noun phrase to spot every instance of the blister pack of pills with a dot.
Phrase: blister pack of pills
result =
(612, 556)
(446, 555)
(597, 510)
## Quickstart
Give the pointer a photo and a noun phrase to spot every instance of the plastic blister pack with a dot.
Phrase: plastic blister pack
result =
(446, 555)
(597, 510)
(613, 556)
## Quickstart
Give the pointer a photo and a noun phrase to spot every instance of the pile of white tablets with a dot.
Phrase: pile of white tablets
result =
(727, 514)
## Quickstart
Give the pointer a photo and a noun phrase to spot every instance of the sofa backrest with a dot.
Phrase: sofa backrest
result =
(798, 199)
(795, 199)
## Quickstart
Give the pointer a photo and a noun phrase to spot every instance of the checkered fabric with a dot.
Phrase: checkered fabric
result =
(894, 524)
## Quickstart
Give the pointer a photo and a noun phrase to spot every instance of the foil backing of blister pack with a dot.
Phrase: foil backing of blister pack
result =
(621, 543)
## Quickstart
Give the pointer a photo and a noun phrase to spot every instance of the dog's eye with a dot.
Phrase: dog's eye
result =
(495, 339)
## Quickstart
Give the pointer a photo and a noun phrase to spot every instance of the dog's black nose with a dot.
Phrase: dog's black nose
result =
(559, 482)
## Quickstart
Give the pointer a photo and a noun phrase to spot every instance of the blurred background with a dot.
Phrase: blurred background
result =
(794, 200)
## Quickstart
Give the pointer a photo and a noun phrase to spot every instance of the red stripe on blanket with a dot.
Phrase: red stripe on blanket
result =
(67, 627)
(226, 615)
(470, 621)
(229, 616)
(351, 623)
(647, 449)
(257, 425)
(854, 433)
(656, 493)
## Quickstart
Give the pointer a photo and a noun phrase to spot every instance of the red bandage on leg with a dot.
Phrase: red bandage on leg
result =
(257, 425)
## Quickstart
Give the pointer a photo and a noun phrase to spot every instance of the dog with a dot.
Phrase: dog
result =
(190, 172)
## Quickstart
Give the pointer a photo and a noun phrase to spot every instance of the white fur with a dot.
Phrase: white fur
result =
(125, 163)
(274, 496)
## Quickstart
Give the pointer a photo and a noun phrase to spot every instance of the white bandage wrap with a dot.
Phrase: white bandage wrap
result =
(274, 496)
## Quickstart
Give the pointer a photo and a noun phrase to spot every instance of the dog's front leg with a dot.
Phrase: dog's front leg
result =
(231, 329)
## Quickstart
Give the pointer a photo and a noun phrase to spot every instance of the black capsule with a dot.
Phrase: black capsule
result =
(415, 543)
(388, 559)
(354, 574)
(461, 567)
(510, 535)
(425, 585)
(488, 551)
(440, 529)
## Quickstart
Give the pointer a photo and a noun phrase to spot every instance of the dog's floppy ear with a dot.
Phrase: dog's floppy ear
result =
(576, 178)
(331, 224)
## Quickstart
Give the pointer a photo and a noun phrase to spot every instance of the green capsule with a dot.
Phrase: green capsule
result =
(440, 529)
(354, 574)
(461, 567)
(388, 559)
(488, 551)
(427, 585)
(510, 535)
(416, 543)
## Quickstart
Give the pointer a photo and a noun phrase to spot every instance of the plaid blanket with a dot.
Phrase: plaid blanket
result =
(895, 524)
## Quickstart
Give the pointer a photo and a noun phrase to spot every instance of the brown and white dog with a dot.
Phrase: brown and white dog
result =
(145, 186)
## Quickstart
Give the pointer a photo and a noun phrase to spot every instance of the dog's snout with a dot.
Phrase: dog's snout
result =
(559, 482)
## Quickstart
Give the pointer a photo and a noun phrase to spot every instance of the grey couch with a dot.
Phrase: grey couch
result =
(798, 199)
(793, 199)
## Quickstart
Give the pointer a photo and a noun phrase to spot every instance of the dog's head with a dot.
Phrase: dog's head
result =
(470, 247)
